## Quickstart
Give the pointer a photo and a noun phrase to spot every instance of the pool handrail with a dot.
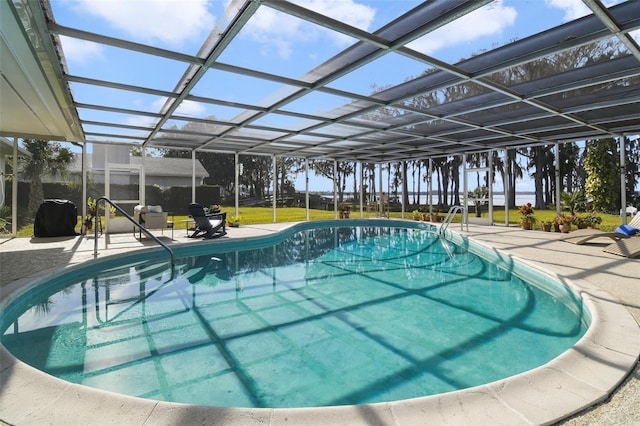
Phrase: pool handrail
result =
(449, 218)
(136, 224)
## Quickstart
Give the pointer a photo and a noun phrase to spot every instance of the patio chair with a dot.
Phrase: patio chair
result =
(582, 236)
(151, 217)
(629, 247)
(207, 226)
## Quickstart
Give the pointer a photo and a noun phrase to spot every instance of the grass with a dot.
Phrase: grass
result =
(257, 215)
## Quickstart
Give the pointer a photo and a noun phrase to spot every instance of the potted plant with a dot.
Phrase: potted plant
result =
(112, 211)
(593, 220)
(345, 211)
(91, 213)
(234, 221)
(416, 214)
(435, 217)
(479, 197)
(545, 225)
(581, 222)
(88, 223)
(564, 222)
(527, 218)
(91, 204)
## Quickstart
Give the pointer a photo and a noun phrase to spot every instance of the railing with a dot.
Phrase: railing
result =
(449, 218)
(136, 224)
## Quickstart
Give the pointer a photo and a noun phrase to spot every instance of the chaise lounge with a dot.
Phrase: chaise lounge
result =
(582, 236)
(627, 248)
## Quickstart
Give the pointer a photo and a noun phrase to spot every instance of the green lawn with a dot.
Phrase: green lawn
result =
(256, 215)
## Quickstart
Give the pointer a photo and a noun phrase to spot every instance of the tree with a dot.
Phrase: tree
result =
(513, 172)
(256, 174)
(284, 167)
(344, 168)
(47, 158)
(572, 201)
(603, 181)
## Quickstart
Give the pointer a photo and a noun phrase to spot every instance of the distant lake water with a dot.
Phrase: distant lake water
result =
(498, 198)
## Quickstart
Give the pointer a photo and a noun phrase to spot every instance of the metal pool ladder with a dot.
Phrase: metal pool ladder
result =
(136, 224)
(449, 218)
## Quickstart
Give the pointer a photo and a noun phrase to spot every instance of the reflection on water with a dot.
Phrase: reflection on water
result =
(327, 316)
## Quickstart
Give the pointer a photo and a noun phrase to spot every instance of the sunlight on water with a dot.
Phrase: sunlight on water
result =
(329, 316)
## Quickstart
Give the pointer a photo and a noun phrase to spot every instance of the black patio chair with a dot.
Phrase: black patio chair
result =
(212, 225)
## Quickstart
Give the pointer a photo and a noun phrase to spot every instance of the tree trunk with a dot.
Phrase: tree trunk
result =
(36, 196)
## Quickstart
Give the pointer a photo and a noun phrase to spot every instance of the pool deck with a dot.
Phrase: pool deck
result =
(599, 378)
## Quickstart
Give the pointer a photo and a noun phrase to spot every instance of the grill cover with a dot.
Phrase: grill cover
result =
(56, 218)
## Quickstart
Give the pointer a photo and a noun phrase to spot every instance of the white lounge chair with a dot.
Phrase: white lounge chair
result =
(582, 236)
(629, 247)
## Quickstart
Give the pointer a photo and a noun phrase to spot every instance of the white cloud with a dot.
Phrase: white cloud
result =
(279, 33)
(347, 11)
(80, 51)
(573, 9)
(491, 19)
(186, 108)
(170, 21)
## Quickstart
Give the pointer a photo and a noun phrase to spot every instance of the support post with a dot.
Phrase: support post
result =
(273, 193)
(14, 190)
(335, 189)
(490, 183)
(623, 186)
(237, 183)
(193, 176)
(306, 186)
(558, 189)
(361, 190)
(465, 215)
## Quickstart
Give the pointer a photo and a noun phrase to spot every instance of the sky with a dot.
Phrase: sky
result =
(270, 42)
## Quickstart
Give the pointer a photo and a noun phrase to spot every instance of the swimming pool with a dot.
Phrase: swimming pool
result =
(237, 290)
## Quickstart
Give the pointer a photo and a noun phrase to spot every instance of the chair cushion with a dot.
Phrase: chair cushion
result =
(627, 230)
(154, 209)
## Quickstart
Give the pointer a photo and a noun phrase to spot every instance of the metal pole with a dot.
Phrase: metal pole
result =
(335, 190)
(465, 215)
(273, 202)
(623, 186)
(237, 183)
(143, 181)
(14, 190)
(84, 182)
(490, 183)
(361, 190)
(380, 200)
(505, 187)
(306, 186)
(558, 189)
(193, 176)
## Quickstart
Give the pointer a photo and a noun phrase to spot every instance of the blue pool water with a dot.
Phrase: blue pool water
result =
(326, 316)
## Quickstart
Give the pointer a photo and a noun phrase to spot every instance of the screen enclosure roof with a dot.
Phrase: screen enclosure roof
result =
(574, 80)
